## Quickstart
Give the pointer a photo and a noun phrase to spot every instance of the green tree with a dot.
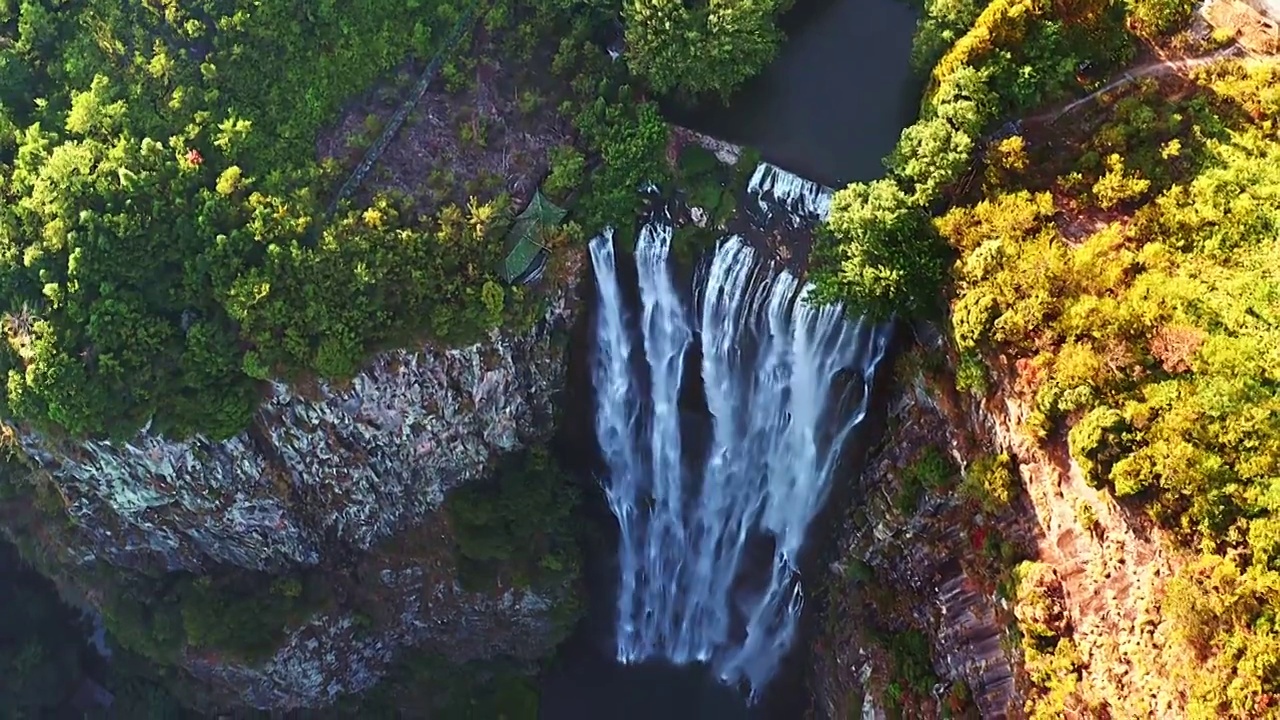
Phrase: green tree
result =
(931, 156)
(878, 253)
(702, 47)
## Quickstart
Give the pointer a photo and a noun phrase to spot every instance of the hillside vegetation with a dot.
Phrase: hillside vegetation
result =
(1145, 326)
(1118, 271)
(167, 245)
(164, 245)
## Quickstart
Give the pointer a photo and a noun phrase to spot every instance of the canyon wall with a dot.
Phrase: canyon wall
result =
(346, 480)
(978, 578)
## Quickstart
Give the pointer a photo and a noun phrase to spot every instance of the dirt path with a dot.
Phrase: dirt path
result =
(1132, 75)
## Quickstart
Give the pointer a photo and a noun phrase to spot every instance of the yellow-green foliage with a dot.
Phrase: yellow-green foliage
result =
(164, 241)
(1019, 53)
(1224, 617)
(989, 481)
(1153, 18)
(942, 22)
(930, 471)
(1154, 342)
(1049, 656)
(1003, 24)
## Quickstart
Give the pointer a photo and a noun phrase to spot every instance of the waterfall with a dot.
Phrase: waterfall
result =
(695, 532)
(802, 200)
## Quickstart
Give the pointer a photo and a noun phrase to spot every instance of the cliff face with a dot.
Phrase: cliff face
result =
(902, 566)
(347, 479)
(422, 605)
(948, 567)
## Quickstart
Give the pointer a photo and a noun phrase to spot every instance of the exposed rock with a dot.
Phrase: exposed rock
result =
(341, 653)
(336, 466)
(725, 152)
(323, 475)
(1100, 585)
(1113, 573)
(922, 574)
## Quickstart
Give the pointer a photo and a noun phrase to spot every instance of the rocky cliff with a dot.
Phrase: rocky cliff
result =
(1040, 599)
(910, 562)
(346, 480)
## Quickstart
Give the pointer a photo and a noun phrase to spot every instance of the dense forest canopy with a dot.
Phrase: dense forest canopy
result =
(163, 240)
(699, 48)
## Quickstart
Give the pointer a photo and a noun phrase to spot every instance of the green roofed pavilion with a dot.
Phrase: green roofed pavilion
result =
(526, 256)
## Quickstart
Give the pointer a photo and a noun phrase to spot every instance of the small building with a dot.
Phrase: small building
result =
(1254, 29)
(526, 257)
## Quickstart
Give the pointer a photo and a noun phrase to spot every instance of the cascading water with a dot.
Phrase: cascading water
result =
(775, 372)
(804, 201)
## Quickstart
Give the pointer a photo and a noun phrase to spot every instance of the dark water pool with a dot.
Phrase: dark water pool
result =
(602, 690)
(833, 103)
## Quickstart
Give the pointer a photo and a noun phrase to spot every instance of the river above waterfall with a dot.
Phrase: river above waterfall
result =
(831, 106)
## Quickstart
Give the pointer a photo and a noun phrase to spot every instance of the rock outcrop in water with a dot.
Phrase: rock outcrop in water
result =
(348, 479)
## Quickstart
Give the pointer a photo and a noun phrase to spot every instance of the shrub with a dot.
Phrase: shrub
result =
(930, 471)
(1095, 443)
(971, 374)
(1087, 516)
(989, 481)
(1040, 601)
(1118, 185)
(518, 525)
(567, 167)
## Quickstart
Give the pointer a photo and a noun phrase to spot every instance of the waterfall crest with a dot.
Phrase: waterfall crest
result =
(785, 384)
(802, 201)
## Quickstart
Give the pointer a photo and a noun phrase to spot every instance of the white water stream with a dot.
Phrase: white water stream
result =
(698, 523)
(775, 189)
